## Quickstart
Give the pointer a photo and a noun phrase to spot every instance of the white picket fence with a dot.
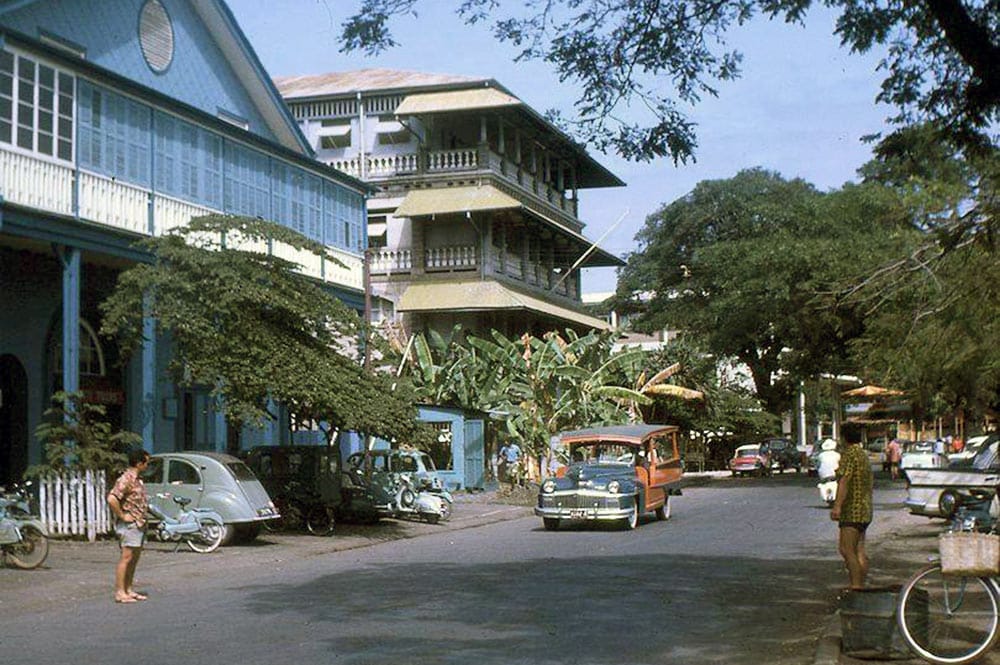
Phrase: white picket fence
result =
(74, 504)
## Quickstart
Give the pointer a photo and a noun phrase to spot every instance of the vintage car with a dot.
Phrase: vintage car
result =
(212, 480)
(310, 487)
(381, 469)
(921, 455)
(936, 492)
(750, 459)
(615, 474)
(783, 454)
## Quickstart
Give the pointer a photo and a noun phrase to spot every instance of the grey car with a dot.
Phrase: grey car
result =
(212, 480)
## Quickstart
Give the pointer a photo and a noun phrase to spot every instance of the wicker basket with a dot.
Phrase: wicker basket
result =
(968, 553)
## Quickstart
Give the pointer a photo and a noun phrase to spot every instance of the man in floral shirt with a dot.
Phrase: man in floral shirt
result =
(128, 501)
(853, 510)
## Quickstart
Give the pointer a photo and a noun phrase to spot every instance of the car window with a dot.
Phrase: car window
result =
(428, 462)
(380, 463)
(241, 471)
(404, 464)
(180, 472)
(664, 447)
(153, 472)
(328, 462)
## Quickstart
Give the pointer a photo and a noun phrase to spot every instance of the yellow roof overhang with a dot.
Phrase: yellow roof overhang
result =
(450, 200)
(444, 200)
(482, 296)
(455, 100)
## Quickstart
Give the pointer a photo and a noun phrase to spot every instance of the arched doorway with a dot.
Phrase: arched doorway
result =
(13, 420)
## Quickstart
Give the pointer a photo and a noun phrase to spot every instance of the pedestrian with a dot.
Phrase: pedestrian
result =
(128, 501)
(852, 509)
(894, 455)
(508, 459)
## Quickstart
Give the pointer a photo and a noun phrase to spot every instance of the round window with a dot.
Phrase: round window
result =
(156, 36)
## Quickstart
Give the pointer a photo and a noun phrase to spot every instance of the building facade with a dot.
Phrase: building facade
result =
(120, 120)
(476, 220)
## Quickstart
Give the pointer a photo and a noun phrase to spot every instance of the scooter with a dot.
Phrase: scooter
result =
(436, 487)
(828, 490)
(201, 528)
(23, 540)
(412, 501)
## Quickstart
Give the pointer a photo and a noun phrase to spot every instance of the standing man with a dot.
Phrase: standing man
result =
(894, 454)
(852, 509)
(128, 501)
(510, 455)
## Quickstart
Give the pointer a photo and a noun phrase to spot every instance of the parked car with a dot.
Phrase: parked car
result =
(311, 487)
(615, 474)
(384, 472)
(783, 454)
(936, 492)
(750, 459)
(211, 480)
(921, 455)
(971, 449)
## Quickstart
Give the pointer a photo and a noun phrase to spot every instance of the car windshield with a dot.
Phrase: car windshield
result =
(603, 453)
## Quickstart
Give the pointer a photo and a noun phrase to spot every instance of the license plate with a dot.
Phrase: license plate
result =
(577, 514)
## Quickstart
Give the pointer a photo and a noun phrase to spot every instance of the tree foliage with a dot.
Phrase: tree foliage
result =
(639, 64)
(242, 322)
(75, 434)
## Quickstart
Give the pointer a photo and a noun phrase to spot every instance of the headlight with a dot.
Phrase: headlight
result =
(549, 486)
(614, 486)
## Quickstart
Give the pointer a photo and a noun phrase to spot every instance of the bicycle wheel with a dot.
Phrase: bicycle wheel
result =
(948, 619)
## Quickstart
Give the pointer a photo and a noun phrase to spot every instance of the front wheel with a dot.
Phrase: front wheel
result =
(632, 521)
(320, 521)
(550, 523)
(31, 551)
(948, 619)
(209, 537)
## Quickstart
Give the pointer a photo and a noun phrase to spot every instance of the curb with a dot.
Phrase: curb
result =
(828, 648)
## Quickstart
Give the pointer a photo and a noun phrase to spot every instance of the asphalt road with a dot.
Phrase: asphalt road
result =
(746, 571)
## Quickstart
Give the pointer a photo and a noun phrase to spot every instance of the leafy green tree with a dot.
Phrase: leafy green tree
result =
(244, 323)
(76, 435)
(650, 59)
(742, 264)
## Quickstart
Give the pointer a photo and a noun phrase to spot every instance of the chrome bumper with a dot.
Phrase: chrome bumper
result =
(584, 513)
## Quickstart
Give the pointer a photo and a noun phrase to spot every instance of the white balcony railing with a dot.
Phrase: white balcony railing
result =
(453, 257)
(36, 183)
(391, 261)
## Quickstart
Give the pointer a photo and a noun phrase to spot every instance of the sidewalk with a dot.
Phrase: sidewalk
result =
(77, 570)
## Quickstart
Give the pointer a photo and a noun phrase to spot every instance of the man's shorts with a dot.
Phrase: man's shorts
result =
(860, 526)
(130, 535)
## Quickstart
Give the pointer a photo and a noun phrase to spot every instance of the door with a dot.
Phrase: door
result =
(183, 479)
(475, 454)
(13, 420)
(666, 469)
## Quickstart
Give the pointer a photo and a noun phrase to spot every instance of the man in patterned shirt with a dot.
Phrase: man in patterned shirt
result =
(853, 510)
(128, 501)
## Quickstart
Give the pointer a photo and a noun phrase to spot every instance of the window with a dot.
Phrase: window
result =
(334, 134)
(36, 106)
(248, 182)
(182, 473)
(91, 353)
(114, 135)
(189, 161)
(440, 450)
(156, 36)
(391, 132)
(153, 472)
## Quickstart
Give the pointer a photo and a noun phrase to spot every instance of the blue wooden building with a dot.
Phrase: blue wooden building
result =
(122, 119)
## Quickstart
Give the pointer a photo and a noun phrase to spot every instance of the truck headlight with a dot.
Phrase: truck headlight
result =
(614, 487)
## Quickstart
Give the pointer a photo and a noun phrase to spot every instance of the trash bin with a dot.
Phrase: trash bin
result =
(868, 624)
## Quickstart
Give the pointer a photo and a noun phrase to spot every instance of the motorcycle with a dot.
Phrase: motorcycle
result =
(436, 487)
(409, 500)
(201, 528)
(828, 490)
(23, 539)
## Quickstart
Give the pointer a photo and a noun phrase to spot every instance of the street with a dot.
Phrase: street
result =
(746, 571)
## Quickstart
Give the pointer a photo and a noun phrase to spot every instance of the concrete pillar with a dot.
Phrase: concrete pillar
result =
(71, 278)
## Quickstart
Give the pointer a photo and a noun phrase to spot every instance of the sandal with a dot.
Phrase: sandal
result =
(125, 599)
(137, 596)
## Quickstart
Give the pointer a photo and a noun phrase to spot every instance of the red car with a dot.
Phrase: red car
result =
(750, 460)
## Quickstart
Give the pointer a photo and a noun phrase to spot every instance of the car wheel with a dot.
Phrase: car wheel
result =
(663, 512)
(632, 521)
(320, 520)
(550, 523)
(247, 532)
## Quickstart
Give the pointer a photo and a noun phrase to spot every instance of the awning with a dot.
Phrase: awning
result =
(388, 127)
(444, 200)
(450, 200)
(871, 391)
(455, 100)
(484, 296)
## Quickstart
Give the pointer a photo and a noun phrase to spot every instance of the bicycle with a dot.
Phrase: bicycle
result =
(952, 619)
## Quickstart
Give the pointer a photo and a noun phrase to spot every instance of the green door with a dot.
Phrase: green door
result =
(474, 454)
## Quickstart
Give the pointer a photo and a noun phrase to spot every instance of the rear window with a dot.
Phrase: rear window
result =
(241, 471)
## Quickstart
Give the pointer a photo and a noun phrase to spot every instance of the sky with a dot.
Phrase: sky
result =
(800, 108)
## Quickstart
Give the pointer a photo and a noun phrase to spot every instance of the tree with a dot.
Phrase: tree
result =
(651, 58)
(242, 322)
(739, 263)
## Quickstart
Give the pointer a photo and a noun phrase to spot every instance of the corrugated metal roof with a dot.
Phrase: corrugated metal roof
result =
(364, 80)
(444, 200)
(456, 100)
(484, 296)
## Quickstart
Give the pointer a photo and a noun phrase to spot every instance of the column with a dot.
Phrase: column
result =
(71, 277)
(148, 359)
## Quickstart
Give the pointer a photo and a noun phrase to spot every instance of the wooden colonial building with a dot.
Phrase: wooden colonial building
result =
(476, 220)
(122, 119)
